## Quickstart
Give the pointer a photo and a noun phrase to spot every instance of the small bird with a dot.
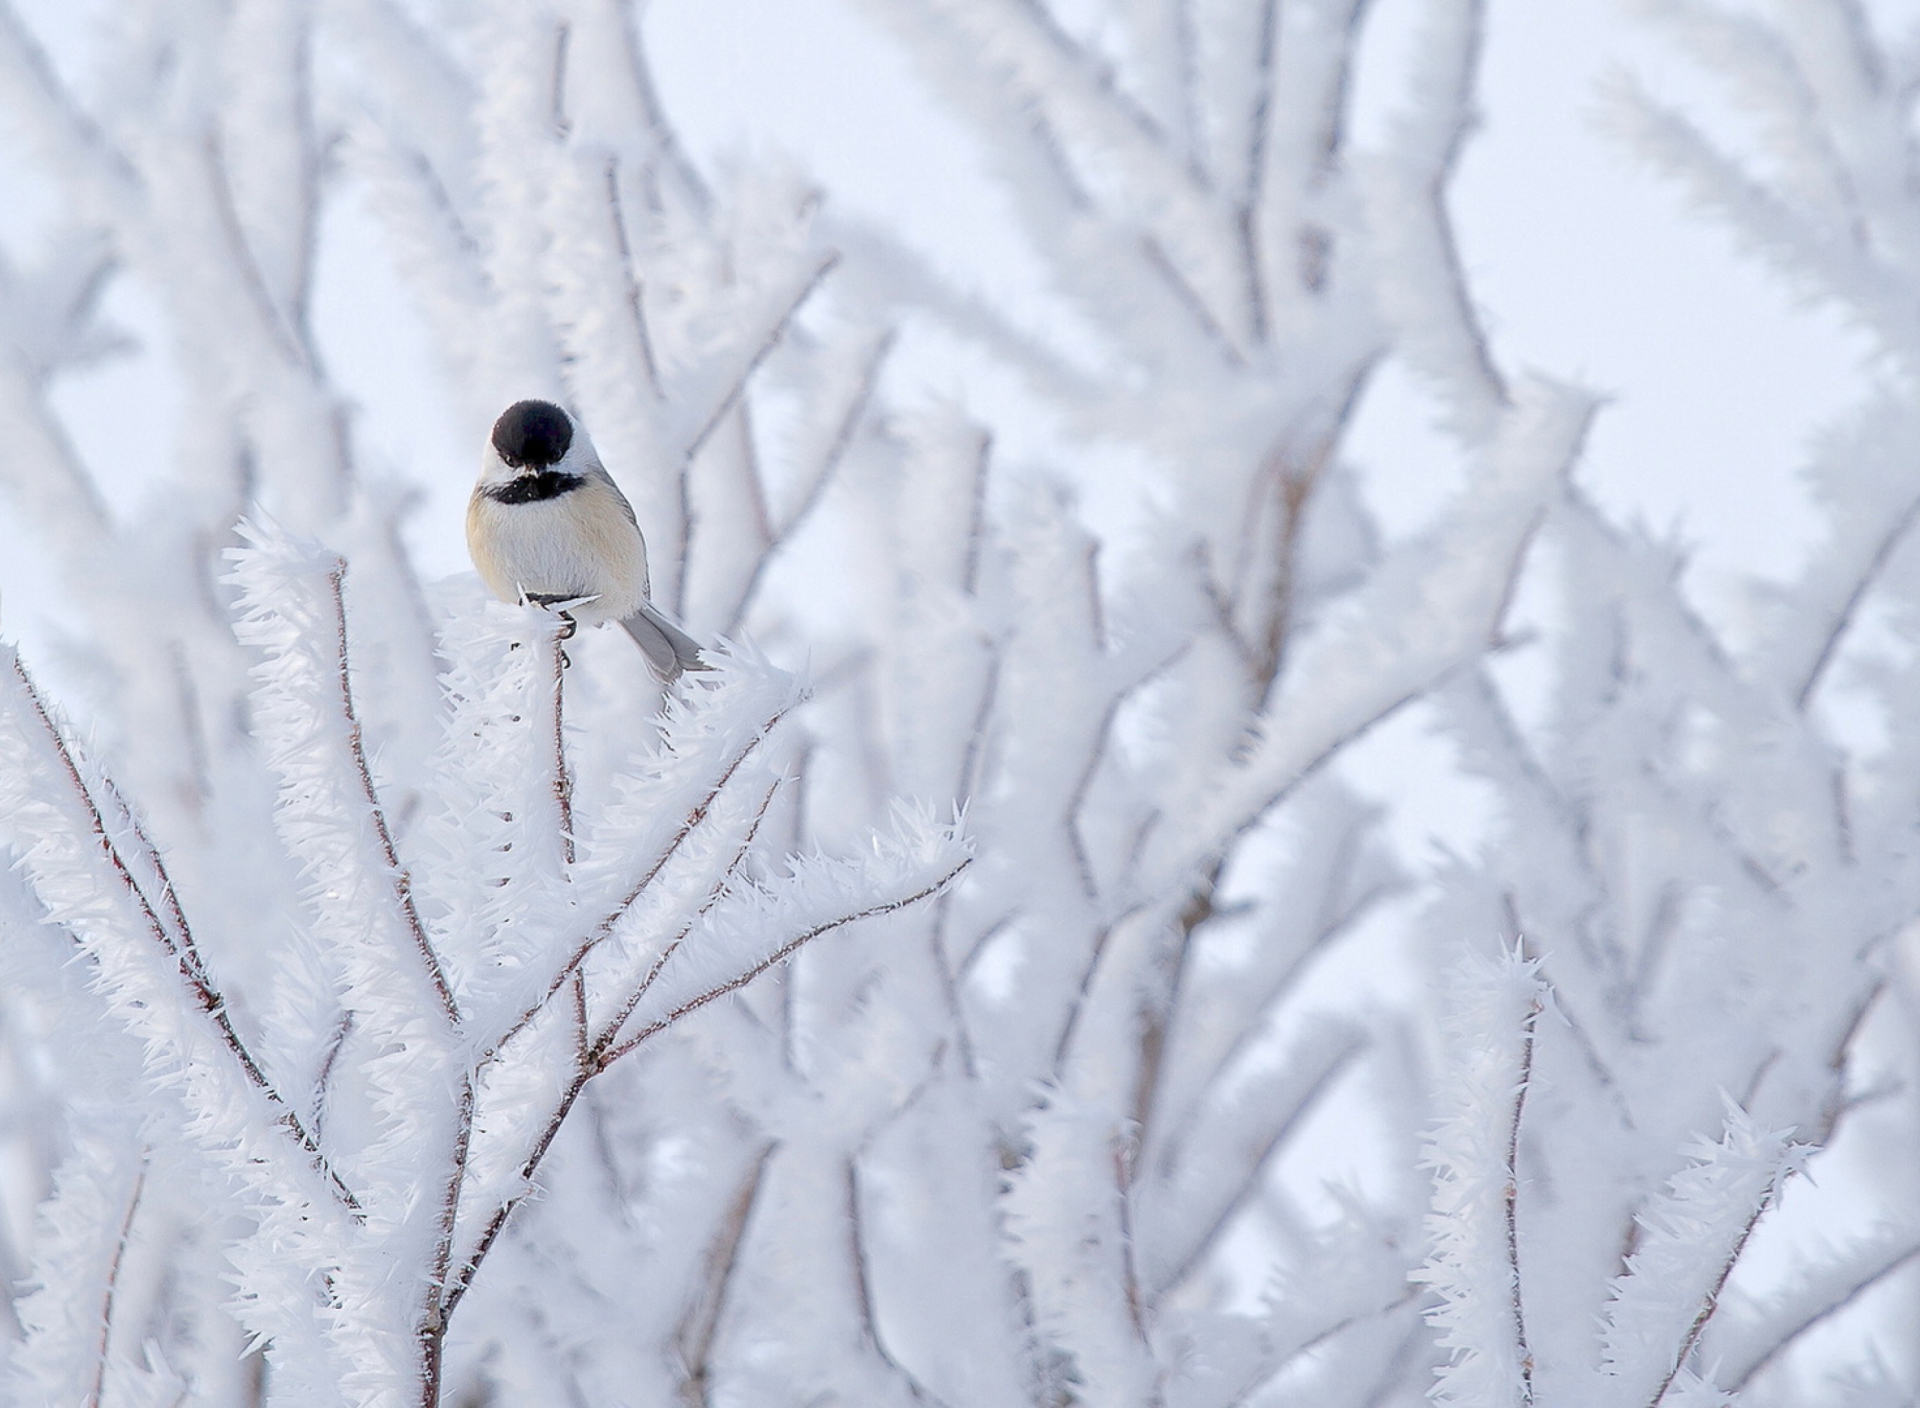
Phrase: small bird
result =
(547, 524)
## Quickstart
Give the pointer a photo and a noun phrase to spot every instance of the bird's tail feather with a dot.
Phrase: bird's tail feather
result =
(668, 649)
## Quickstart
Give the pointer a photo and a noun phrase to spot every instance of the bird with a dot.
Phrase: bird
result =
(547, 524)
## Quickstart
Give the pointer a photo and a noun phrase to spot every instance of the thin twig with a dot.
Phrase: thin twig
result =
(863, 1290)
(1272, 1368)
(1850, 608)
(949, 983)
(432, 1334)
(702, 1321)
(1250, 1184)
(977, 519)
(636, 287)
(1247, 216)
(978, 949)
(1102, 741)
(1122, 1163)
(604, 929)
(1331, 925)
(1711, 1301)
(1296, 480)
(73, 127)
(323, 1078)
(179, 946)
(780, 955)
(1791, 1334)
(849, 423)
(279, 328)
(562, 778)
(1510, 1197)
(113, 1284)
(595, 1065)
(356, 745)
(611, 1031)
(1188, 297)
(1101, 938)
(737, 387)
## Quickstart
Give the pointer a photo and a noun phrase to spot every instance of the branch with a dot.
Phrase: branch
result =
(96, 1396)
(636, 288)
(779, 955)
(431, 1334)
(402, 882)
(193, 974)
(702, 1320)
(74, 139)
(863, 1291)
(1251, 1180)
(737, 383)
(1710, 1302)
(830, 459)
(562, 779)
(593, 1063)
(1510, 1196)
(1843, 616)
(714, 895)
(1433, 607)
(604, 929)
(1781, 1336)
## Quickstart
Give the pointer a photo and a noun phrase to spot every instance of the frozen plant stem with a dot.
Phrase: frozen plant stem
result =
(179, 944)
(1511, 1197)
(433, 1322)
(562, 778)
(604, 929)
(1711, 1301)
(597, 1055)
(95, 1398)
(402, 883)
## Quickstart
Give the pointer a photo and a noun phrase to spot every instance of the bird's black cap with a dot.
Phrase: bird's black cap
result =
(532, 433)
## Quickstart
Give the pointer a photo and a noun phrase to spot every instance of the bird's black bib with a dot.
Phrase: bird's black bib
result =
(535, 488)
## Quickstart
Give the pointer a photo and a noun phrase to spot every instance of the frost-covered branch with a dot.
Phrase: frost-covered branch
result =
(1475, 1267)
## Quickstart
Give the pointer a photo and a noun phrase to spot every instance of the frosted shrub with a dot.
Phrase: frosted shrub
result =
(400, 1015)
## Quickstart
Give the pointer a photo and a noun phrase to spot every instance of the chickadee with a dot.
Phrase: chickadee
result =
(548, 524)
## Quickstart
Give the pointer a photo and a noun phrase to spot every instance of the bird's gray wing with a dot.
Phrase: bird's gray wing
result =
(668, 649)
(600, 472)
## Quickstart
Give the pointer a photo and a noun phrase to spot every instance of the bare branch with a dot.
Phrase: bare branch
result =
(780, 955)
(863, 1291)
(562, 778)
(1843, 616)
(702, 1320)
(779, 536)
(1710, 1302)
(1783, 1337)
(604, 929)
(431, 1334)
(356, 745)
(1250, 1182)
(718, 891)
(192, 972)
(97, 1394)
(737, 386)
(1510, 1198)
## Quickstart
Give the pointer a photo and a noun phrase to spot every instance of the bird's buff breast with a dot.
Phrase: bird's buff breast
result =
(579, 544)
